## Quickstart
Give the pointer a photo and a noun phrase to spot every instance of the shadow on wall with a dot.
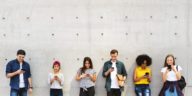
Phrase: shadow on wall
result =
(129, 85)
(100, 84)
(74, 90)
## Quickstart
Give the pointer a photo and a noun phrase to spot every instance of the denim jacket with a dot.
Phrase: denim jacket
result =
(13, 66)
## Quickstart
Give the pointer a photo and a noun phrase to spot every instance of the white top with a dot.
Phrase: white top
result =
(56, 84)
(113, 75)
(171, 76)
(21, 79)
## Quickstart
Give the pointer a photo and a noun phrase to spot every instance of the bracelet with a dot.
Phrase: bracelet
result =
(31, 87)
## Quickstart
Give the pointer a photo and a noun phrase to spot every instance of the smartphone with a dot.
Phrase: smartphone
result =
(55, 76)
(23, 70)
(169, 67)
(147, 74)
(87, 75)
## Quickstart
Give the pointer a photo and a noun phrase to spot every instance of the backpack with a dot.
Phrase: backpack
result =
(182, 83)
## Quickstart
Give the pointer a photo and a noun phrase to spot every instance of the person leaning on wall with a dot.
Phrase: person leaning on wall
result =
(142, 75)
(171, 73)
(86, 76)
(112, 70)
(56, 80)
(19, 72)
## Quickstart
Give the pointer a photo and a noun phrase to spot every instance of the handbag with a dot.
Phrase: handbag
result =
(181, 83)
(121, 80)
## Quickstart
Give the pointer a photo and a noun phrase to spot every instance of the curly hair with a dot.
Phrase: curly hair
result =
(141, 58)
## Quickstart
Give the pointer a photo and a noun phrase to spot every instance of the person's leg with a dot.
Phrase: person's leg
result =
(175, 92)
(168, 93)
(52, 92)
(110, 93)
(91, 91)
(138, 91)
(13, 92)
(82, 92)
(60, 92)
(23, 92)
(147, 91)
(117, 92)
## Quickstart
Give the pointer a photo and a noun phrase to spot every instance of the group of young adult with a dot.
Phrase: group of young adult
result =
(114, 71)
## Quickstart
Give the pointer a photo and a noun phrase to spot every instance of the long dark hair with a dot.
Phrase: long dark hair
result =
(84, 67)
(169, 55)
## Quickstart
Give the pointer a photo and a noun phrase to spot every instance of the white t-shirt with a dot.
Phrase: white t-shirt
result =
(21, 79)
(56, 84)
(114, 81)
(171, 76)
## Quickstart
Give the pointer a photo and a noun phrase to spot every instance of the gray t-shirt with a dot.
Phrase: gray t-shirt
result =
(87, 82)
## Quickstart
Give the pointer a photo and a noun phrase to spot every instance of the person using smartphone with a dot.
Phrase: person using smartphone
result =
(171, 73)
(56, 80)
(142, 75)
(18, 70)
(111, 69)
(86, 76)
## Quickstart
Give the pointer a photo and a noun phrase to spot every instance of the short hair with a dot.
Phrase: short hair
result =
(114, 51)
(21, 52)
(141, 58)
(57, 63)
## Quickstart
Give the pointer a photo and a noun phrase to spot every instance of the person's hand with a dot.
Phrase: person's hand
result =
(144, 77)
(83, 76)
(89, 75)
(20, 71)
(173, 68)
(167, 70)
(111, 69)
(30, 90)
(55, 77)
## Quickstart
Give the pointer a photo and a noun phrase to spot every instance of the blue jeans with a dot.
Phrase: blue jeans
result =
(142, 90)
(168, 93)
(20, 92)
(56, 92)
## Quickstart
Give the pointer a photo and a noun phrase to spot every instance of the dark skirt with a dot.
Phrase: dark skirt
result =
(171, 86)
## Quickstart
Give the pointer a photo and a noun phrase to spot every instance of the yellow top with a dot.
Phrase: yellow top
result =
(141, 72)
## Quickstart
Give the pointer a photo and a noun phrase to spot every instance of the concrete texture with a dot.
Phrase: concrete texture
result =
(69, 30)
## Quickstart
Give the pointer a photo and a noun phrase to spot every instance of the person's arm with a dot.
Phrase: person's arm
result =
(79, 76)
(30, 82)
(135, 78)
(62, 80)
(106, 72)
(30, 85)
(124, 72)
(164, 75)
(59, 80)
(50, 80)
(10, 75)
(149, 77)
(177, 72)
(93, 77)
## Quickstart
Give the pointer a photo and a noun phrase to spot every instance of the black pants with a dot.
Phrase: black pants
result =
(89, 92)
(56, 92)
(114, 92)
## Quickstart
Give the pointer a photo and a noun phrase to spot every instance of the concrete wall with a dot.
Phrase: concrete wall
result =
(69, 30)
